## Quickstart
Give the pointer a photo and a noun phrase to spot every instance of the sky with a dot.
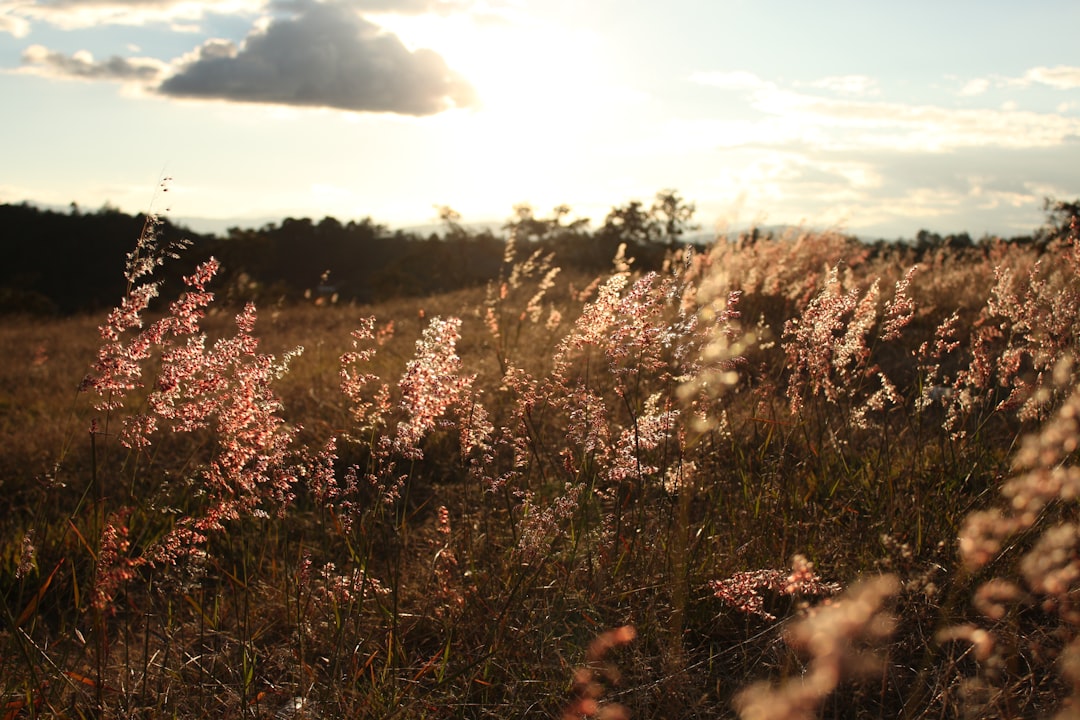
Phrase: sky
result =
(873, 118)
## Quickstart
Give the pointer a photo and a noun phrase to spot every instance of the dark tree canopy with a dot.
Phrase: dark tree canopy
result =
(62, 263)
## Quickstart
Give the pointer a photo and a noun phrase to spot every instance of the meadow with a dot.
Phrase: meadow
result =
(789, 477)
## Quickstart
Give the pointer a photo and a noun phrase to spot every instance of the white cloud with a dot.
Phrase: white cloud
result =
(411, 7)
(873, 165)
(186, 15)
(182, 14)
(975, 87)
(856, 123)
(1062, 77)
(11, 23)
(836, 123)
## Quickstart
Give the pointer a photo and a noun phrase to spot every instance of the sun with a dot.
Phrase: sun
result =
(542, 97)
(521, 65)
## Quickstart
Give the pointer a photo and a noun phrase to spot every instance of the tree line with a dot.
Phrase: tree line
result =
(57, 263)
(69, 262)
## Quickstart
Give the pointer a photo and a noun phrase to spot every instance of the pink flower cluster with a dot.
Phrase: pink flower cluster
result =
(225, 388)
(744, 590)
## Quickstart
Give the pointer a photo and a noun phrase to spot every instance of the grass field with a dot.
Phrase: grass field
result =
(788, 478)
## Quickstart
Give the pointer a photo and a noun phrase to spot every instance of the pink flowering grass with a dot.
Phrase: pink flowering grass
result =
(442, 506)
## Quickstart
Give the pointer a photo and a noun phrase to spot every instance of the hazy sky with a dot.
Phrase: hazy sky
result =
(877, 118)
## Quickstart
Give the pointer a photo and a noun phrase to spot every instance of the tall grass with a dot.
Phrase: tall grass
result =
(777, 461)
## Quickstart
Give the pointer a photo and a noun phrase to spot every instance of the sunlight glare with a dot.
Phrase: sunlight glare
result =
(519, 65)
(542, 91)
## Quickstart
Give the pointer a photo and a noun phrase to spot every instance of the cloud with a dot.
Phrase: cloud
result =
(13, 24)
(412, 7)
(840, 123)
(186, 15)
(824, 121)
(874, 164)
(925, 127)
(81, 65)
(327, 56)
(881, 192)
(79, 14)
(949, 188)
(114, 3)
(1062, 77)
(975, 87)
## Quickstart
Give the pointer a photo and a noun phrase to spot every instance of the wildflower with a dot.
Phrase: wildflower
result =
(347, 588)
(445, 562)
(114, 566)
(541, 526)
(827, 342)
(901, 309)
(367, 414)
(743, 590)
(649, 431)
(534, 307)
(226, 387)
(430, 385)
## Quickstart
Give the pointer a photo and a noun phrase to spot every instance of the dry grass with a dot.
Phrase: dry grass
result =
(549, 464)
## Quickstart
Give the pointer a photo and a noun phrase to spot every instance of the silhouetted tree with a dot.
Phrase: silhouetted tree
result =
(673, 214)
(632, 224)
(525, 226)
(664, 222)
(1061, 217)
